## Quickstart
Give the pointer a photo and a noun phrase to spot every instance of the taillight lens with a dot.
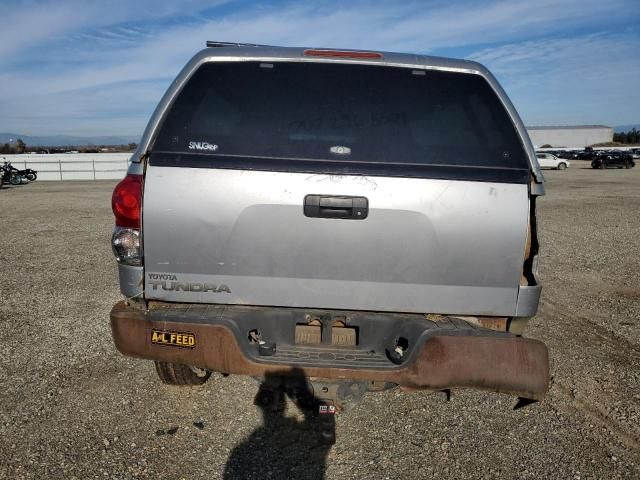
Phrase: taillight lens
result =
(125, 243)
(126, 201)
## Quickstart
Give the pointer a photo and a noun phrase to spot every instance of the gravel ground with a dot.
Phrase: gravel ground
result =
(73, 407)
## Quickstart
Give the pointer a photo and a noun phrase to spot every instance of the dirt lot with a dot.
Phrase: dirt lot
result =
(72, 407)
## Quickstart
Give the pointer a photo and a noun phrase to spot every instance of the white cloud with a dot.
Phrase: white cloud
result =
(25, 24)
(590, 79)
(122, 52)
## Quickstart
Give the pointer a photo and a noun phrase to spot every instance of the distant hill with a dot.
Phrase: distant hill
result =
(68, 140)
(626, 128)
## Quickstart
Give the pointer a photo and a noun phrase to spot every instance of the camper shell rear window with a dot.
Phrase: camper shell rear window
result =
(341, 118)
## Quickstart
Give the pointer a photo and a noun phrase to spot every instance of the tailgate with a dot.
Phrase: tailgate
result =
(427, 245)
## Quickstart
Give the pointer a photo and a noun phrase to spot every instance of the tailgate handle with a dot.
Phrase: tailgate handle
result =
(336, 206)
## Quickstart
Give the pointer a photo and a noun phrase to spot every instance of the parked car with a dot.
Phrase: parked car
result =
(548, 160)
(586, 155)
(567, 154)
(336, 213)
(613, 159)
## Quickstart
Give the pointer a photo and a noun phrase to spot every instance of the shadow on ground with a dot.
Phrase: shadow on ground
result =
(284, 447)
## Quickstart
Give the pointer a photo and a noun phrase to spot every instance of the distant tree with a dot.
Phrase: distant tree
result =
(133, 146)
(21, 147)
(632, 136)
(546, 145)
(6, 148)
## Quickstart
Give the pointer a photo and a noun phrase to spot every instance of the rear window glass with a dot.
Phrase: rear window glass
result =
(341, 113)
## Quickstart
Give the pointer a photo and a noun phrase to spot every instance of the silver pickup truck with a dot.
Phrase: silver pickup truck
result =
(364, 218)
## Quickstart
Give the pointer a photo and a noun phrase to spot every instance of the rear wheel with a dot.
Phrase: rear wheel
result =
(562, 166)
(31, 176)
(183, 375)
(627, 165)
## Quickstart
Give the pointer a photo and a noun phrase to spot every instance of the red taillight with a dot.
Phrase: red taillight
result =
(126, 201)
(342, 54)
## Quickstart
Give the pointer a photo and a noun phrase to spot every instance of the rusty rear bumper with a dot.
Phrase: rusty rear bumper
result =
(443, 358)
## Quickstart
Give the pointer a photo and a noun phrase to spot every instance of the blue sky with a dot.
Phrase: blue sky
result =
(86, 67)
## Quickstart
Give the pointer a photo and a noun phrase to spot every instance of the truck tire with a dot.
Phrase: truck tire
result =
(182, 375)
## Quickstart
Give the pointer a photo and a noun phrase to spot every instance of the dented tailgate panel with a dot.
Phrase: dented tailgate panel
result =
(236, 236)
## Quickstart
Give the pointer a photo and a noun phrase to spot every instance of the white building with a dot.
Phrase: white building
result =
(570, 136)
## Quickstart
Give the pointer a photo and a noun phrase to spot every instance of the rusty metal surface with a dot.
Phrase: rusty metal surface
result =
(499, 324)
(512, 365)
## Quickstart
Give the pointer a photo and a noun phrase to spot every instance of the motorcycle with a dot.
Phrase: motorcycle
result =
(28, 173)
(12, 175)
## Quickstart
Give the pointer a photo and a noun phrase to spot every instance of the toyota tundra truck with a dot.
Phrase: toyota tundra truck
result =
(366, 219)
